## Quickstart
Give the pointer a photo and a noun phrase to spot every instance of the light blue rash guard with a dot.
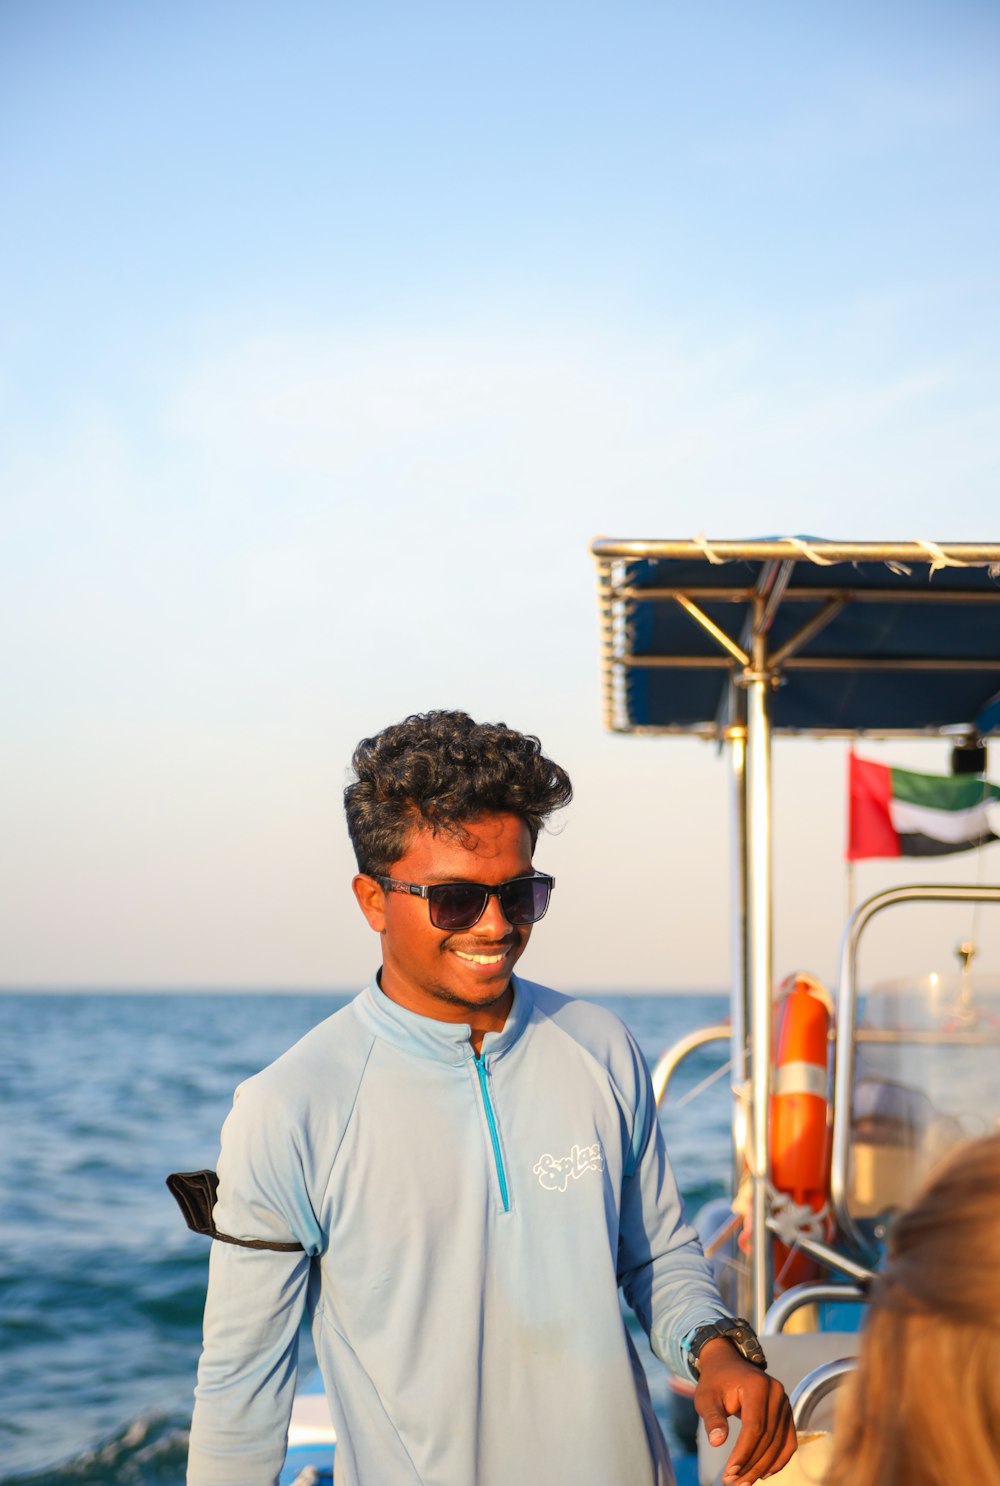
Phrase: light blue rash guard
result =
(467, 1223)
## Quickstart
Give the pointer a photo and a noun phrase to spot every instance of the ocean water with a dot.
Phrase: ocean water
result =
(101, 1284)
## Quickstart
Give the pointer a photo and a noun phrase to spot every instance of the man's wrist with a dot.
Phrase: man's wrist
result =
(687, 1340)
(733, 1329)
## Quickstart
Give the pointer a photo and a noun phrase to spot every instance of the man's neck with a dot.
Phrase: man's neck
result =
(491, 1018)
(481, 1019)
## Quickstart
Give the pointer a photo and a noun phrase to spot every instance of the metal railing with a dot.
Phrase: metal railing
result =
(811, 1293)
(674, 1056)
(807, 1395)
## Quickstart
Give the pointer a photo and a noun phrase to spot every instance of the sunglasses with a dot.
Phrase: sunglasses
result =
(459, 905)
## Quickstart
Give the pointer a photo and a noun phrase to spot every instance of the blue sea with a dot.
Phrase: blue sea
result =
(101, 1284)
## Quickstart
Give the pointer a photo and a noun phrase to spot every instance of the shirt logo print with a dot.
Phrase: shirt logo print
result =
(554, 1172)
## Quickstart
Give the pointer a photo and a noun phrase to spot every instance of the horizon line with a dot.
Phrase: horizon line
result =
(235, 989)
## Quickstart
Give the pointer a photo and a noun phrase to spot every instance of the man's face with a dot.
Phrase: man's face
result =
(460, 975)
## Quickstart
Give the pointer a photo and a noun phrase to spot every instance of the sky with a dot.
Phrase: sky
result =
(331, 335)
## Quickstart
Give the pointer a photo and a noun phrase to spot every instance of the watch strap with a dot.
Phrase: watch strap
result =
(734, 1329)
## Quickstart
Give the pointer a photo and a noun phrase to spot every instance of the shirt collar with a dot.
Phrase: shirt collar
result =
(447, 1042)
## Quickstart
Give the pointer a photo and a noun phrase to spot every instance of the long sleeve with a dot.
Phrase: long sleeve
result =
(256, 1300)
(246, 1377)
(661, 1267)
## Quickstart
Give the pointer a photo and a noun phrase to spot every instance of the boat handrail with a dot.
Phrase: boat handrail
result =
(810, 1391)
(670, 1061)
(813, 1292)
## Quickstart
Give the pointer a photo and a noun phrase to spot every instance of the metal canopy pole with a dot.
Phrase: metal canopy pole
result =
(736, 737)
(759, 954)
(739, 999)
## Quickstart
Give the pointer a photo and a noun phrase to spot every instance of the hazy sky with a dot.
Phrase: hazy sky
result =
(331, 334)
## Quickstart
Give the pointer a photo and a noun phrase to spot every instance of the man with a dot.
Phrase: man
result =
(472, 1166)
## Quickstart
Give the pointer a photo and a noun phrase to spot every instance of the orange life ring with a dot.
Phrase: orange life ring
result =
(799, 1128)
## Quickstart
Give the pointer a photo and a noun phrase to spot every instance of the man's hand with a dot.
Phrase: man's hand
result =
(728, 1384)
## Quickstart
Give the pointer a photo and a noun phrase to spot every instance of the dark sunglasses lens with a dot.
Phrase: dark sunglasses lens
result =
(456, 905)
(525, 900)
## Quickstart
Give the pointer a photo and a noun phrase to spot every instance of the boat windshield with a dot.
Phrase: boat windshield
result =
(925, 1078)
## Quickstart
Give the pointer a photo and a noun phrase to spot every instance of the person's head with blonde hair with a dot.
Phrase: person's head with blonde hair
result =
(924, 1405)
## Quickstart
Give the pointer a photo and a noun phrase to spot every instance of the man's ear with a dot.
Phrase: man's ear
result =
(371, 901)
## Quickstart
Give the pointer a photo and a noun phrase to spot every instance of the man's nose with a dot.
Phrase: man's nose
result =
(494, 923)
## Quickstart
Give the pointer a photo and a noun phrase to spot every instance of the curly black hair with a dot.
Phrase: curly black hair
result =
(442, 769)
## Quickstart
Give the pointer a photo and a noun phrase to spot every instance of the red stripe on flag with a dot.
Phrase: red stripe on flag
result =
(870, 829)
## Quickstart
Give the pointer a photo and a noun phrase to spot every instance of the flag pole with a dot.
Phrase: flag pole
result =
(848, 857)
(850, 888)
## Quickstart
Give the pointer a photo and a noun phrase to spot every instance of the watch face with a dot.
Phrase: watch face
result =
(744, 1338)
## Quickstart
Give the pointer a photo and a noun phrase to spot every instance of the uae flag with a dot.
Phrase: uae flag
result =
(895, 813)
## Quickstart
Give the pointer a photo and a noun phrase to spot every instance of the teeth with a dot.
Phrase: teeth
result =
(481, 959)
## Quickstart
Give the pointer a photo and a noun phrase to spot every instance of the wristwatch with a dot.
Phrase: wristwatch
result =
(735, 1330)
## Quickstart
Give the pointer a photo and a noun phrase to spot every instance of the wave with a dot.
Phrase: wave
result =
(150, 1451)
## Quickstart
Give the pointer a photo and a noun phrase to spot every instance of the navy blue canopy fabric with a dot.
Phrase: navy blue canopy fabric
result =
(913, 650)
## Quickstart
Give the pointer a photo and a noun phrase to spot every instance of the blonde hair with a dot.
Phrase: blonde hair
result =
(924, 1405)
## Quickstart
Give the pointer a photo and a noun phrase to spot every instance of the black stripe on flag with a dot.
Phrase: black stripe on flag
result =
(916, 844)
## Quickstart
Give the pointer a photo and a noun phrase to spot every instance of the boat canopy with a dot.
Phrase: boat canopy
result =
(880, 638)
(737, 640)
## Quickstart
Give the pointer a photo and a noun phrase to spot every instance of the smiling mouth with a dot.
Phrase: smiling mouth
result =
(481, 959)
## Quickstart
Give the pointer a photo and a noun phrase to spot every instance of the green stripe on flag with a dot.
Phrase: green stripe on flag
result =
(947, 792)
